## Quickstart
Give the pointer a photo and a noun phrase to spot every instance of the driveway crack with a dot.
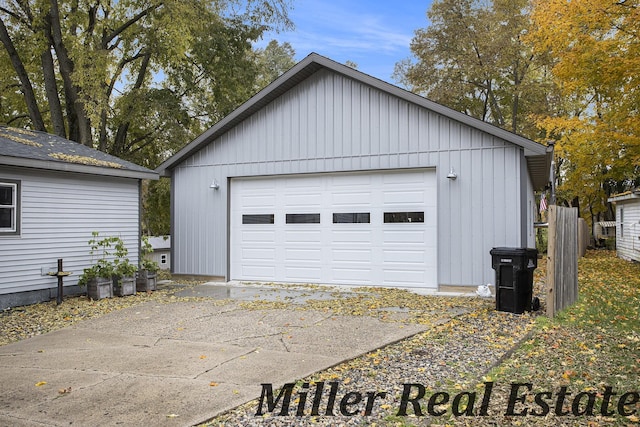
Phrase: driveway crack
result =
(240, 356)
(284, 344)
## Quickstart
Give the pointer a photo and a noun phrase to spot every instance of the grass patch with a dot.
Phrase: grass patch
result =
(588, 347)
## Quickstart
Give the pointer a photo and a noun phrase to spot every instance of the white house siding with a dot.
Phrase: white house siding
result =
(330, 123)
(628, 245)
(159, 256)
(59, 211)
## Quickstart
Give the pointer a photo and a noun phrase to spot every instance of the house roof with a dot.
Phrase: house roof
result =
(626, 196)
(40, 150)
(538, 160)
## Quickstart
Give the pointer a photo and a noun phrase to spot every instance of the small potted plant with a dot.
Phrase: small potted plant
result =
(146, 280)
(124, 282)
(98, 277)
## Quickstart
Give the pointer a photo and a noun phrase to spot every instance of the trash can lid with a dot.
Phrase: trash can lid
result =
(513, 251)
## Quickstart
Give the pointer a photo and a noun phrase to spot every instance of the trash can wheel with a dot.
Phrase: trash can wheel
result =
(535, 304)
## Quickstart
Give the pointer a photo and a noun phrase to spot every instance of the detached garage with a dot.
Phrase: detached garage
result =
(331, 176)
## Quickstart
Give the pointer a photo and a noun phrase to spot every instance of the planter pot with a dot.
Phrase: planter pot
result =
(100, 287)
(123, 286)
(146, 281)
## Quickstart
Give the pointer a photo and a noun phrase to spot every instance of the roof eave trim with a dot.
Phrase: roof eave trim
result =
(77, 168)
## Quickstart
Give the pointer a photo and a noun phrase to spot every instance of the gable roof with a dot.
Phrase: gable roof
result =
(538, 159)
(40, 150)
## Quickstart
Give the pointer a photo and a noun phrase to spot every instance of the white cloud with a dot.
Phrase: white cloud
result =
(336, 26)
(375, 34)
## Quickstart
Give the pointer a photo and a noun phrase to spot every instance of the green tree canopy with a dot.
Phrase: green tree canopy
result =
(473, 58)
(274, 60)
(135, 78)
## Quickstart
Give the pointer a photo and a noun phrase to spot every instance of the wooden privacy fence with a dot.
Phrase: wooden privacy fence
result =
(562, 258)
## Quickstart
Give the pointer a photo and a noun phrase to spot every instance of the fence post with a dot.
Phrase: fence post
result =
(551, 258)
(583, 237)
(562, 259)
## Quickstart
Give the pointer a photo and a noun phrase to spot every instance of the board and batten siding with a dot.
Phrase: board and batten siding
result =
(59, 211)
(628, 229)
(331, 123)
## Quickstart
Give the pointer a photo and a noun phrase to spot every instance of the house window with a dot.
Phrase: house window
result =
(163, 259)
(352, 218)
(403, 217)
(9, 208)
(621, 222)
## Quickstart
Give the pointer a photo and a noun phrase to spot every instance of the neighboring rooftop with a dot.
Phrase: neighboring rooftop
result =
(40, 150)
(627, 195)
(159, 243)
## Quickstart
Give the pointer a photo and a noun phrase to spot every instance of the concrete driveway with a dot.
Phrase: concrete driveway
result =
(175, 364)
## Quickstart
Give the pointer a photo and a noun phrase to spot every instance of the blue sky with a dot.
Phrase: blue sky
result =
(375, 34)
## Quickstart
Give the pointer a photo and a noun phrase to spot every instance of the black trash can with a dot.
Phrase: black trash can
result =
(514, 278)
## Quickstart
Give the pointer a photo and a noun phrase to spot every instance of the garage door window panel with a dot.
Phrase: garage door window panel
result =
(304, 218)
(395, 217)
(258, 218)
(352, 218)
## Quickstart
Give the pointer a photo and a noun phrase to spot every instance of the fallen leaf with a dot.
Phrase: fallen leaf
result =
(40, 383)
(213, 384)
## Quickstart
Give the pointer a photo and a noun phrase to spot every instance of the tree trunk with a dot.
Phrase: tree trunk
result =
(25, 82)
(79, 125)
(121, 135)
(495, 107)
(51, 88)
(514, 111)
(102, 137)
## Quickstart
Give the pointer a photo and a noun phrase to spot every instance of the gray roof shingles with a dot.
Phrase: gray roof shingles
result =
(21, 147)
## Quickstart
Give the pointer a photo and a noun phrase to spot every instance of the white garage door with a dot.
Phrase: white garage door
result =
(355, 228)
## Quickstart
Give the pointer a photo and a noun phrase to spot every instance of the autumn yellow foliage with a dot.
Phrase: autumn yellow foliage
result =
(10, 133)
(596, 48)
(84, 160)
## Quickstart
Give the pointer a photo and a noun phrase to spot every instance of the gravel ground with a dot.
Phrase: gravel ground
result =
(452, 356)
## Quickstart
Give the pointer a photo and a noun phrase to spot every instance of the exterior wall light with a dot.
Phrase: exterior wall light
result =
(452, 175)
(215, 185)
